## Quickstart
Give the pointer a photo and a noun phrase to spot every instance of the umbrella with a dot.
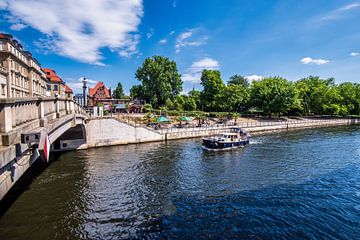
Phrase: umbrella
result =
(162, 119)
(185, 119)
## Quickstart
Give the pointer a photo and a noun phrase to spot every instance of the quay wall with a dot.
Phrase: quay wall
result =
(111, 131)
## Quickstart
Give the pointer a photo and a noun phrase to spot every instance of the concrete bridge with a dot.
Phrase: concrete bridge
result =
(61, 119)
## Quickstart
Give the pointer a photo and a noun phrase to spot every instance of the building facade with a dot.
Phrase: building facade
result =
(68, 92)
(20, 72)
(56, 86)
(99, 94)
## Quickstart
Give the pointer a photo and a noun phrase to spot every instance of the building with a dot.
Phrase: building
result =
(68, 92)
(20, 72)
(99, 95)
(56, 86)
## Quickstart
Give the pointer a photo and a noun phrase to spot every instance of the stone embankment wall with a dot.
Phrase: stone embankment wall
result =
(111, 131)
(256, 127)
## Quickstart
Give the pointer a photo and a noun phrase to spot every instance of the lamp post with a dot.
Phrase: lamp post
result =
(84, 81)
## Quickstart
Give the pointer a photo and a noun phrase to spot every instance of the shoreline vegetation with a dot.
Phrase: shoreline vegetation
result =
(161, 86)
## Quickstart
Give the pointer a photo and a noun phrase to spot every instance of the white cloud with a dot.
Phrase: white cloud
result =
(174, 4)
(337, 13)
(76, 86)
(18, 26)
(254, 77)
(186, 39)
(354, 54)
(309, 60)
(150, 33)
(193, 73)
(79, 29)
(171, 33)
(163, 41)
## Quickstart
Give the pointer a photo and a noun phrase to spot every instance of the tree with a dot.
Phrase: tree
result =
(349, 99)
(213, 86)
(137, 91)
(233, 97)
(189, 103)
(273, 95)
(238, 80)
(196, 95)
(159, 79)
(118, 93)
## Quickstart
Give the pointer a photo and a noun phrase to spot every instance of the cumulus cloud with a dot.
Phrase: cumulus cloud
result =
(309, 60)
(79, 29)
(193, 73)
(254, 77)
(163, 41)
(188, 38)
(354, 54)
(76, 85)
(17, 26)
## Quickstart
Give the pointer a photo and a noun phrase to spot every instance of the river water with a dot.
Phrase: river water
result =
(295, 185)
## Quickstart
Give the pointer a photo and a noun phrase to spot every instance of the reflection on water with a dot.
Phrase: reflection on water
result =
(303, 184)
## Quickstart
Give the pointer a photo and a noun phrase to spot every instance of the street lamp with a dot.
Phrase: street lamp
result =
(84, 81)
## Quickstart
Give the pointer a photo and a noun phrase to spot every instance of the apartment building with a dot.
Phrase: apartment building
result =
(56, 86)
(20, 73)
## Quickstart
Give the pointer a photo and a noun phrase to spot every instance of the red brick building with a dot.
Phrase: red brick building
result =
(99, 94)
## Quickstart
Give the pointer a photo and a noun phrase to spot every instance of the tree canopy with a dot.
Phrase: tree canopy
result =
(273, 95)
(119, 91)
(159, 79)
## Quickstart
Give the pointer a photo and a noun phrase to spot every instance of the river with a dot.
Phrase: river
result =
(292, 185)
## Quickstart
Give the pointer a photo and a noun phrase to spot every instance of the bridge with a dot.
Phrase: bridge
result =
(22, 121)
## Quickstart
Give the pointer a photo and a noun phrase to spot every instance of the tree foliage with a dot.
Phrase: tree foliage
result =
(213, 86)
(159, 79)
(238, 80)
(273, 95)
(119, 91)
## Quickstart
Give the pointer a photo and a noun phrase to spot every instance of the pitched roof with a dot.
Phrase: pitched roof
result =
(93, 90)
(68, 89)
(51, 74)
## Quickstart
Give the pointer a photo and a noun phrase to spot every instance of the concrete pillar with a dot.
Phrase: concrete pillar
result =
(6, 119)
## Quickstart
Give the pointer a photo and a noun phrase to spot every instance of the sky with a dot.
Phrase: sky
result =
(107, 40)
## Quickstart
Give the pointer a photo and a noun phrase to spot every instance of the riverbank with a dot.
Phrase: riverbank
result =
(112, 131)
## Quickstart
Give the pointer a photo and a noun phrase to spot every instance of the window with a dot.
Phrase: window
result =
(56, 87)
(49, 87)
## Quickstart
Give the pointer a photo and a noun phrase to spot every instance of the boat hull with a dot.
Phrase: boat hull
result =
(210, 144)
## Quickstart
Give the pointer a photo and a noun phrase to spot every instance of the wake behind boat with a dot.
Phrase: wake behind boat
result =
(234, 138)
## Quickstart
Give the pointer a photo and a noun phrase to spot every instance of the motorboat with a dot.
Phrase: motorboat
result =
(233, 138)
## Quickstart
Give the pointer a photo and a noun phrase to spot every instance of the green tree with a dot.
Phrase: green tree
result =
(189, 103)
(196, 95)
(238, 80)
(160, 80)
(349, 97)
(233, 97)
(118, 93)
(213, 86)
(137, 91)
(273, 95)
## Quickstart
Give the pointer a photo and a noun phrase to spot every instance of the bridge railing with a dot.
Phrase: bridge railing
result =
(15, 113)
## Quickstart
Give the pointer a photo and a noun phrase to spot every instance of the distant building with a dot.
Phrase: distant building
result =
(99, 94)
(68, 92)
(56, 86)
(20, 72)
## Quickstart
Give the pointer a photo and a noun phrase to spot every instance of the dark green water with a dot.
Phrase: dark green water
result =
(296, 185)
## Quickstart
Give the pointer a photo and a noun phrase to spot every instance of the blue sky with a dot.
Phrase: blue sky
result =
(108, 40)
